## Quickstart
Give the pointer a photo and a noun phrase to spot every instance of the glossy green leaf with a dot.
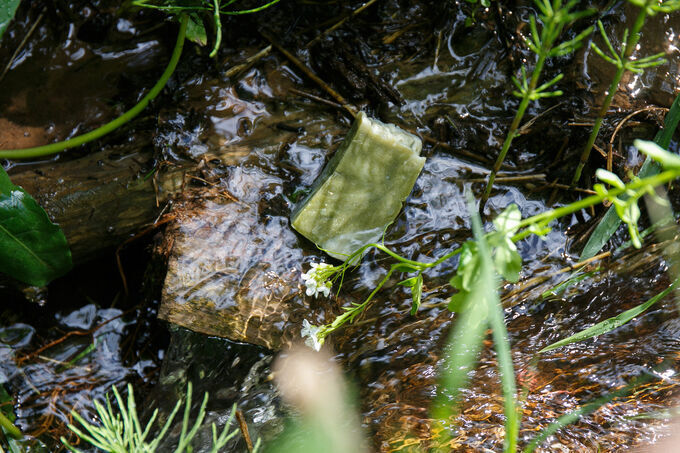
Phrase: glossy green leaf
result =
(610, 324)
(7, 10)
(32, 248)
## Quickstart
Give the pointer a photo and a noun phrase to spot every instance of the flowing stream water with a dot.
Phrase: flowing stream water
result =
(454, 85)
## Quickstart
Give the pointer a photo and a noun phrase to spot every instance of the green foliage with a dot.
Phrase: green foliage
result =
(197, 30)
(7, 10)
(121, 431)
(32, 248)
(476, 301)
(479, 308)
(416, 285)
(611, 221)
(554, 16)
(623, 60)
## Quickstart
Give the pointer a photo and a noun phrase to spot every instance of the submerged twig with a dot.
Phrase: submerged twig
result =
(310, 74)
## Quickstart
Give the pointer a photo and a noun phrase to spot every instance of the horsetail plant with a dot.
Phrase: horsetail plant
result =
(623, 61)
(123, 433)
(554, 16)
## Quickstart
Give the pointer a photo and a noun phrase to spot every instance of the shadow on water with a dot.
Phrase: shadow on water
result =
(263, 144)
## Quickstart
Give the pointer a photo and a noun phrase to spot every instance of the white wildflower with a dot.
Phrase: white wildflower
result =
(314, 340)
(316, 280)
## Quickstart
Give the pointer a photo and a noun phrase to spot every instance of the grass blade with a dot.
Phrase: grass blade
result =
(586, 409)
(507, 370)
(612, 323)
(481, 306)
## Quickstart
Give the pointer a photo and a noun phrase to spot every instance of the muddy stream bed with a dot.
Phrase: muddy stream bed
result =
(244, 144)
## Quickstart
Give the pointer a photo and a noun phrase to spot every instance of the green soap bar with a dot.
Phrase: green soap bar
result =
(362, 188)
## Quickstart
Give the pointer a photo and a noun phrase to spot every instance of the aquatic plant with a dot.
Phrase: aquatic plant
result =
(121, 432)
(554, 16)
(623, 60)
(487, 258)
(215, 8)
(190, 27)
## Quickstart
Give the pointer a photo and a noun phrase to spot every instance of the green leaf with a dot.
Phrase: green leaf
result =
(508, 262)
(416, 285)
(466, 336)
(417, 293)
(7, 10)
(610, 178)
(508, 220)
(196, 30)
(32, 248)
(667, 159)
(481, 309)
(610, 324)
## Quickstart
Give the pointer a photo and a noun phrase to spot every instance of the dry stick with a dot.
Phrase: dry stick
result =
(620, 125)
(557, 185)
(244, 430)
(22, 44)
(308, 72)
(352, 110)
(251, 60)
(340, 23)
(315, 98)
(519, 178)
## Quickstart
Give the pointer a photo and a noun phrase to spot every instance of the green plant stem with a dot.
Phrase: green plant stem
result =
(548, 216)
(54, 148)
(511, 135)
(630, 44)
(504, 354)
(543, 218)
(9, 427)
(546, 45)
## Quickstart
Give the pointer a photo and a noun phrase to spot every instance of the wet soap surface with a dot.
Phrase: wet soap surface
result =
(361, 190)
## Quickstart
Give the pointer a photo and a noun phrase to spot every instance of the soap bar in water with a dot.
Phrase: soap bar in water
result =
(362, 188)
